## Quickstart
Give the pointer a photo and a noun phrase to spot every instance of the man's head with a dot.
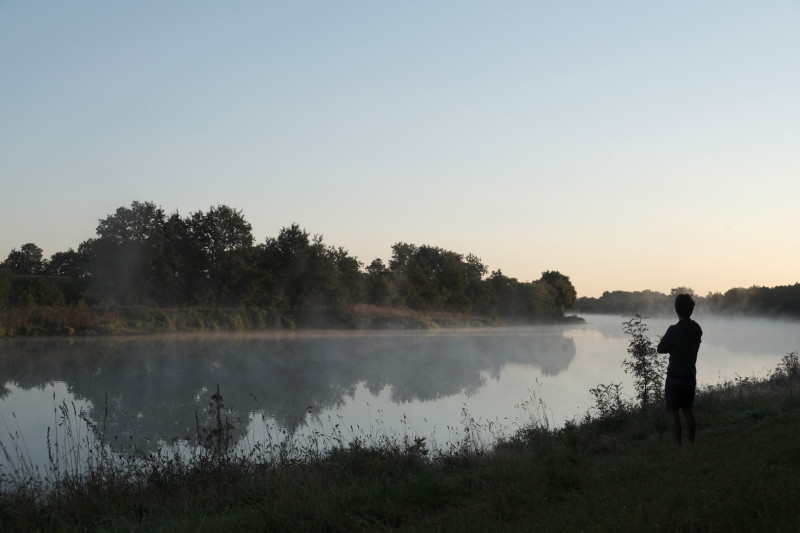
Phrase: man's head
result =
(684, 305)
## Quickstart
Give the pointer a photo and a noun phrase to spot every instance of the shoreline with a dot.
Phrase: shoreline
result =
(135, 321)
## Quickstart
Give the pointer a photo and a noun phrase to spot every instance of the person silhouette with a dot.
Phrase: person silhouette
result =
(681, 342)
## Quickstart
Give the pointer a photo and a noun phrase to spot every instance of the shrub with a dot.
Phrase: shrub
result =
(645, 363)
(608, 404)
(788, 368)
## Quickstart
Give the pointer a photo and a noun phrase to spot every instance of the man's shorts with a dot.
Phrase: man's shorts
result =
(679, 393)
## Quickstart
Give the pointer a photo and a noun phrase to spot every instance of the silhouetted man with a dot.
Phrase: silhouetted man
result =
(681, 342)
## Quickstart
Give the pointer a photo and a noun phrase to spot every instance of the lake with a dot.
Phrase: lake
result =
(151, 391)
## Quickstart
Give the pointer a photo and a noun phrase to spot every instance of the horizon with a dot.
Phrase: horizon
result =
(630, 147)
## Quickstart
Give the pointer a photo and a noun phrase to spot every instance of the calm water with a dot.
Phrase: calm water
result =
(150, 390)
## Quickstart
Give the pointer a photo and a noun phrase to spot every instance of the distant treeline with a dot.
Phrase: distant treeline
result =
(777, 301)
(143, 257)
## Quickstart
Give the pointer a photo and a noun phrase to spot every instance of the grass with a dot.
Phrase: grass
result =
(130, 319)
(137, 319)
(615, 471)
(35, 321)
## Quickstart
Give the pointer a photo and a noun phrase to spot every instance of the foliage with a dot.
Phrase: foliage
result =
(782, 300)
(511, 299)
(788, 368)
(5, 285)
(565, 294)
(647, 302)
(378, 284)
(647, 367)
(68, 264)
(142, 257)
(645, 363)
(26, 260)
(608, 402)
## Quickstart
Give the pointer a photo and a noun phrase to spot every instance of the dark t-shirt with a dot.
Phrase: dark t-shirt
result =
(681, 342)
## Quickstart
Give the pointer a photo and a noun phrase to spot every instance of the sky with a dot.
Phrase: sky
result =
(629, 145)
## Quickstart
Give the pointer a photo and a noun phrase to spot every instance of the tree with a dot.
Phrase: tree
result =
(140, 223)
(431, 278)
(503, 295)
(5, 285)
(401, 254)
(287, 258)
(565, 293)
(680, 290)
(28, 291)
(378, 283)
(68, 264)
(128, 255)
(215, 254)
(475, 289)
(26, 260)
(537, 300)
(645, 363)
(219, 231)
(350, 279)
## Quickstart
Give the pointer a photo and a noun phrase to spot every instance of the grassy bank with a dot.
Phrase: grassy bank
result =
(125, 320)
(617, 472)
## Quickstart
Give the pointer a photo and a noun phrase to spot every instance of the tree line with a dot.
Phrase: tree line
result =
(142, 256)
(782, 300)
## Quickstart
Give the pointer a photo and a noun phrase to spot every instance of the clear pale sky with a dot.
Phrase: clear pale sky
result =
(629, 145)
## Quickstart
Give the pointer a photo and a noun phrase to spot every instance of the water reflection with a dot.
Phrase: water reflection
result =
(148, 389)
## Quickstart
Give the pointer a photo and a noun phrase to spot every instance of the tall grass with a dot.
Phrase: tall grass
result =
(134, 319)
(118, 320)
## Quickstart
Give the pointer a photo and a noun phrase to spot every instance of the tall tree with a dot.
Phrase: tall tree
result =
(68, 264)
(216, 249)
(141, 223)
(565, 293)
(26, 260)
(128, 254)
(5, 285)
(378, 283)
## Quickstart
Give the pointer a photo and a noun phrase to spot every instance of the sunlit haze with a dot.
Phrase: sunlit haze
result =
(629, 145)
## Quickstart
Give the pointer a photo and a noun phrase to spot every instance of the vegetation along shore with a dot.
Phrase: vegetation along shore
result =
(146, 271)
(149, 272)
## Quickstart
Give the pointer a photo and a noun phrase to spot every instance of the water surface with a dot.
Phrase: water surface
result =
(150, 391)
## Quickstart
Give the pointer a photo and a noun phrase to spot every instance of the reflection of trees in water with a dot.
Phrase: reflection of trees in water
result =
(154, 387)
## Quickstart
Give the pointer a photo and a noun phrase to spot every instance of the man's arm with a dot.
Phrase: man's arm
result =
(666, 341)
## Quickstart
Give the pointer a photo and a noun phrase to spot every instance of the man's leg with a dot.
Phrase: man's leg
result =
(674, 420)
(690, 424)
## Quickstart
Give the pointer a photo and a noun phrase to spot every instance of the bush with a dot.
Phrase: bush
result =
(647, 367)
(608, 404)
(788, 368)
(645, 363)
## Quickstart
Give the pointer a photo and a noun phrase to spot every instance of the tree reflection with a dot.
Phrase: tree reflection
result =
(144, 391)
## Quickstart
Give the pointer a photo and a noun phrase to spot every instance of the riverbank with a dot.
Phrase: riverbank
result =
(135, 320)
(617, 472)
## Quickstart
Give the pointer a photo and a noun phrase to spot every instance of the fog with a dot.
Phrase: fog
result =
(737, 334)
(153, 388)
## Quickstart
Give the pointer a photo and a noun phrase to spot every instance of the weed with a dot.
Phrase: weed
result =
(609, 405)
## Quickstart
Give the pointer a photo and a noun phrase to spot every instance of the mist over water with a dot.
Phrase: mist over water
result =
(148, 391)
